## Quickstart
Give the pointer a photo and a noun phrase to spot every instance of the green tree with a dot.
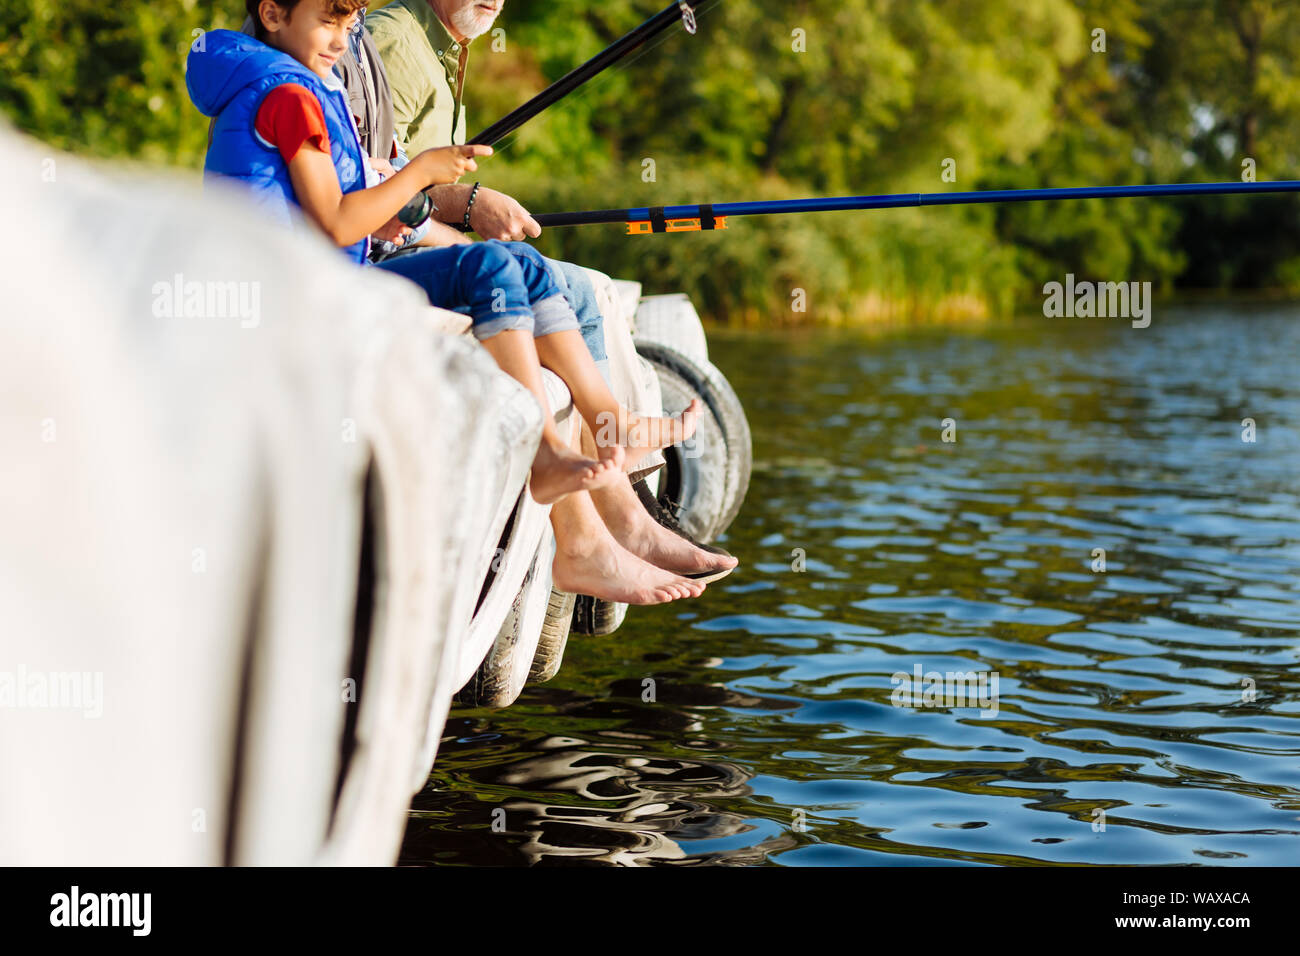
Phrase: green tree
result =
(787, 98)
(107, 80)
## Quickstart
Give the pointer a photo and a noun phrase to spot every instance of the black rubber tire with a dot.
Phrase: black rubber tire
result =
(709, 482)
(597, 617)
(494, 684)
(555, 635)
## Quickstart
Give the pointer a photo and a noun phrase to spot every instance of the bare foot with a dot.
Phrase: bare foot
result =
(598, 565)
(634, 528)
(640, 435)
(559, 470)
(615, 455)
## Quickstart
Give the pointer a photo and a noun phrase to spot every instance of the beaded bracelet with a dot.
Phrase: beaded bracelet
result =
(473, 194)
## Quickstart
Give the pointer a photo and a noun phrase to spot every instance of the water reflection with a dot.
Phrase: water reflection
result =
(614, 808)
(1158, 696)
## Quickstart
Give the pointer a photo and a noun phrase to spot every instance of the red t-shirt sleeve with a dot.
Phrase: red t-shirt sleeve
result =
(290, 116)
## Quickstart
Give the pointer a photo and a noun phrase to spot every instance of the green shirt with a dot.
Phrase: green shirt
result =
(426, 68)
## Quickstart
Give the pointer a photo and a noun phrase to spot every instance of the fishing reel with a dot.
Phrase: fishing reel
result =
(418, 209)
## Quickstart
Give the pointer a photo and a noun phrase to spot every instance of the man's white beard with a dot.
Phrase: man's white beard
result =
(470, 22)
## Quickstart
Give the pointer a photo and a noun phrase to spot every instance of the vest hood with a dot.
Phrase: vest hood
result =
(227, 63)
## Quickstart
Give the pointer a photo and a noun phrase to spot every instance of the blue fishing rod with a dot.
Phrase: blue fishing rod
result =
(645, 220)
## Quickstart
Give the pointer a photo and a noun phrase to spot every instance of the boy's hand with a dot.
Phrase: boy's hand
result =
(392, 231)
(382, 166)
(448, 163)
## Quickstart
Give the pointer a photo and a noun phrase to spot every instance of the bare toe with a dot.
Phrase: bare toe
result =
(598, 565)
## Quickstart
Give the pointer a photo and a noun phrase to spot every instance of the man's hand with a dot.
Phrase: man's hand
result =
(496, 216)
(381, 166)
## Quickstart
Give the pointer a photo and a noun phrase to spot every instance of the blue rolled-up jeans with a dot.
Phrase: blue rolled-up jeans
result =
(577, 288)
(578, 291)
(497, 287)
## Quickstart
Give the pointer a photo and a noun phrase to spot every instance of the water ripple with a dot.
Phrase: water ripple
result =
(1157, 694)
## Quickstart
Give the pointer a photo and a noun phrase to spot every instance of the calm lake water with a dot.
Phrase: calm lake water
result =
(1159, 696)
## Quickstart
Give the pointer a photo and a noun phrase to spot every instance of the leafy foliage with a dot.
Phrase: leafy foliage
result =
(781, 98)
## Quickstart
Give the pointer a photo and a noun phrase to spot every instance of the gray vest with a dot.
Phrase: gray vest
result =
(371, 96)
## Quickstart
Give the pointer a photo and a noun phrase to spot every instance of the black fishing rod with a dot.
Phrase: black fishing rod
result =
(694, 218)
(678, 10)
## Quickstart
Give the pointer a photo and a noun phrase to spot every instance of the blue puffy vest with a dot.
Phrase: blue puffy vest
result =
(228, 79)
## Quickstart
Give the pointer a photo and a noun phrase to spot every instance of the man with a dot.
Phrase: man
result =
(424, 45)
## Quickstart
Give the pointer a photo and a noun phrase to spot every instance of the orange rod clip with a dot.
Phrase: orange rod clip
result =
(673, 225)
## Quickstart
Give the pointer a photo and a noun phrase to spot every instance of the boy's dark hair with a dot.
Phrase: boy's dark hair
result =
(337, 8)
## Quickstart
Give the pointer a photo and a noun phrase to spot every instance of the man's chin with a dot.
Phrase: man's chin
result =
(476, 25)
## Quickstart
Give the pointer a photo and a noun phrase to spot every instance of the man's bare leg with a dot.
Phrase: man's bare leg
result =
(633, 527)
(557, 469)
(565, 354)
(588, 560)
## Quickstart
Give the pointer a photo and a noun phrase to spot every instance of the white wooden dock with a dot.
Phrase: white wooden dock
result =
(251, 495)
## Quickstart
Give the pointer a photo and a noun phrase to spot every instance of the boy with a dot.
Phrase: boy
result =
(283, 127)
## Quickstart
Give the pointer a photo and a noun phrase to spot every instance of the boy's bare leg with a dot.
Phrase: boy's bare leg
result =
(557, 470)
(626, 376)
(565, 354)
(634, 528)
